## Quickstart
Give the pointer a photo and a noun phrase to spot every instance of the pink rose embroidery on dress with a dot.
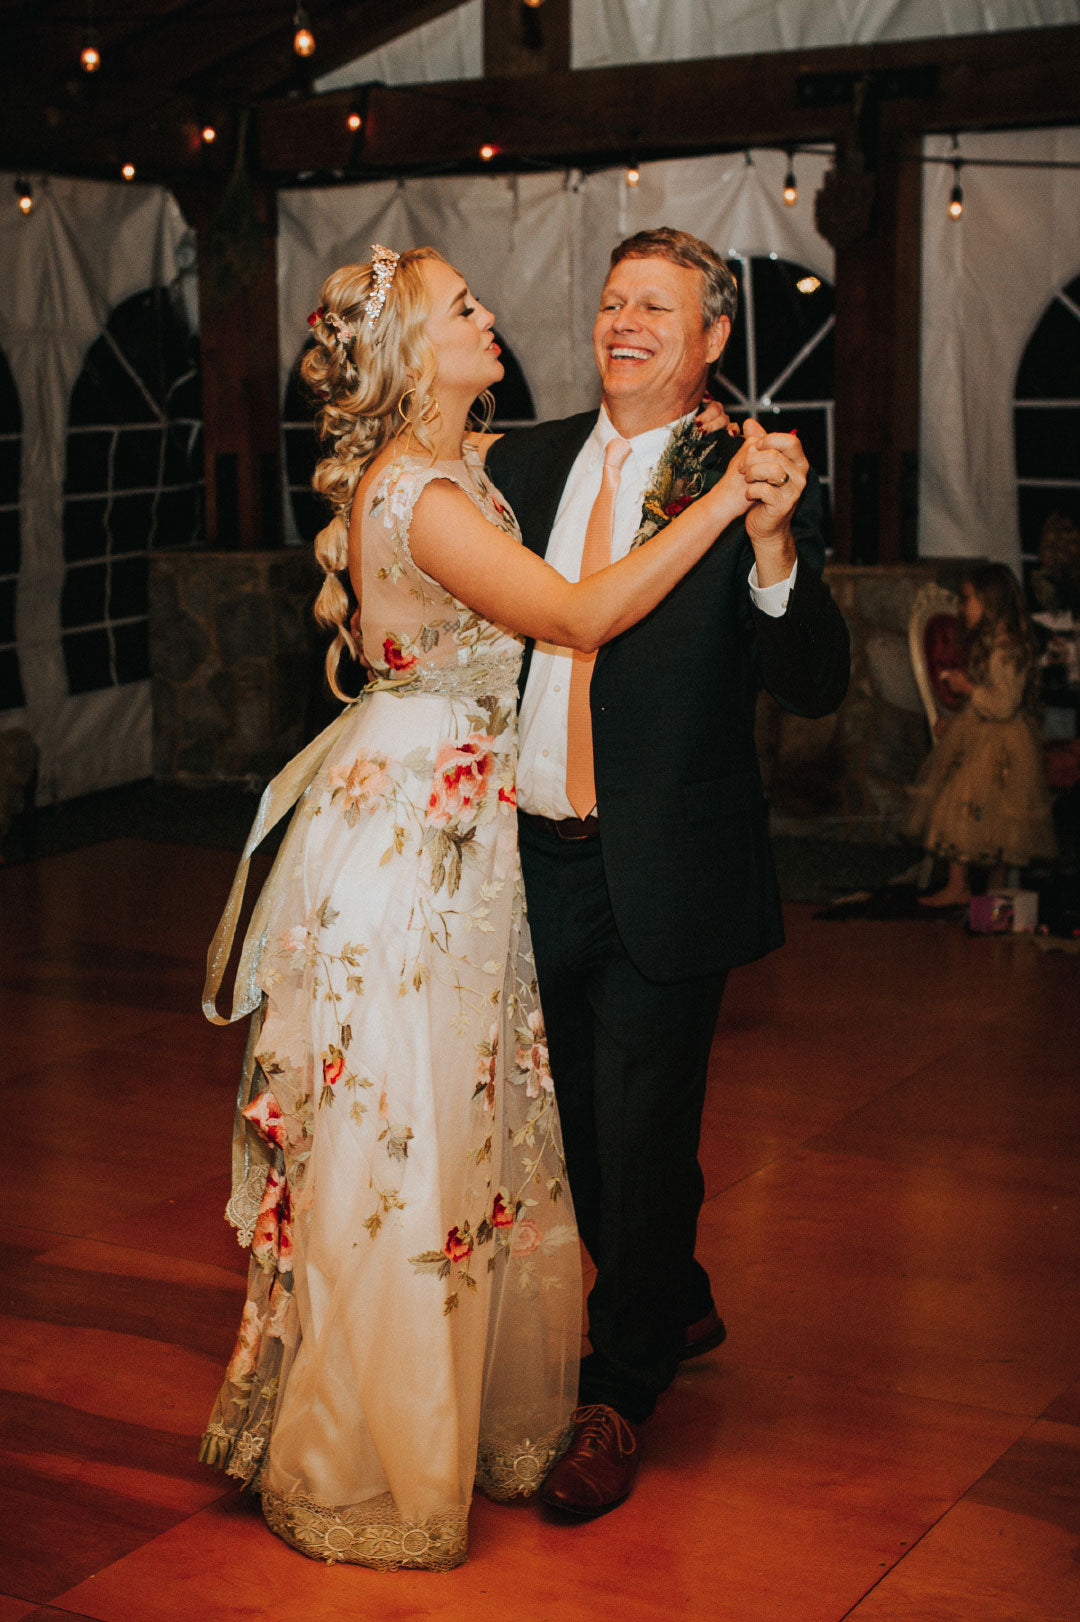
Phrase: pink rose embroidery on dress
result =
(458, 1245)
(395, 656)
(532, 1057)
(461, 776)
(265, 1115)
(362, 785)
(527, 1238)
(271, 1243)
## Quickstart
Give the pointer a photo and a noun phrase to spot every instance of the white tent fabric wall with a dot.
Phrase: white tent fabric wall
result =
(86, 246)
(605, 33)
(536, 247)
(987, 278)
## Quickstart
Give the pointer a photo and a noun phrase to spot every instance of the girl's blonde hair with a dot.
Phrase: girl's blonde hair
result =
(1005, 623)
(371, 384)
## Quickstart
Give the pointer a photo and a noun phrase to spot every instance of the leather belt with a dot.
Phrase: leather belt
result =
(565, 827)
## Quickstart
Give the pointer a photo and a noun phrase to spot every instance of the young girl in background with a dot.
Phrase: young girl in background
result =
(981, 796)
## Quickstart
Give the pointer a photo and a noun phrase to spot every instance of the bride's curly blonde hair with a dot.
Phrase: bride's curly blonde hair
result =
(371, 385)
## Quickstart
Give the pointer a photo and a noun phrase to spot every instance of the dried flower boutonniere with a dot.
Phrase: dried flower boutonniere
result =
(684, 470)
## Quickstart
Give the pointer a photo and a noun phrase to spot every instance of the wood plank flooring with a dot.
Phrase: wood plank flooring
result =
(892, 1225)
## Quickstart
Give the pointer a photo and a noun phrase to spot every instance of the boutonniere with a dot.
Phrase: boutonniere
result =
(683, 472)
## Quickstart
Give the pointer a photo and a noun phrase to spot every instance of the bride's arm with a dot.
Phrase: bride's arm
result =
(494, 574)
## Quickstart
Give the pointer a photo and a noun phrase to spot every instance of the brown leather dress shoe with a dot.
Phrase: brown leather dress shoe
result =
(598, 1468)
(703, 1336)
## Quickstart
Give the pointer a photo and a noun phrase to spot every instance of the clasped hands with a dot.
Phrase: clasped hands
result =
(774, 467)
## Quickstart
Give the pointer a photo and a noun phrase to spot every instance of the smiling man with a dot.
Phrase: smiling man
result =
(643, 822)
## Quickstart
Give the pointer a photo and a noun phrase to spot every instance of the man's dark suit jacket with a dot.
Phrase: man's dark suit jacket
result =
(679, 794)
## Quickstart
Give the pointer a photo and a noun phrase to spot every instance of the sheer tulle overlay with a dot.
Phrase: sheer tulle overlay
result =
(981, 796)
(413, 1312)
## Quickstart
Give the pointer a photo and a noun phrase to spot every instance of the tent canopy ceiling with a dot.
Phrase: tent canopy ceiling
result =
(169, 67)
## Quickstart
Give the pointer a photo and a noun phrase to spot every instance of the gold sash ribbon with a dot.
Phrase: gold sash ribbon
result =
(279, 797)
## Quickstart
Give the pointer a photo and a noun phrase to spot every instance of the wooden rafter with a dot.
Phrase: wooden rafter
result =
(1024, 78)
(166, 65)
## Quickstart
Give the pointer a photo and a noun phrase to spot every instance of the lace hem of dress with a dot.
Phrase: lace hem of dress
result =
(481, 677)
(369, 1534)
(515, 1470)
(239, 1452)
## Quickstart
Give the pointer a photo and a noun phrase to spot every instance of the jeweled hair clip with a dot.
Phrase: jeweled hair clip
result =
(383, 265)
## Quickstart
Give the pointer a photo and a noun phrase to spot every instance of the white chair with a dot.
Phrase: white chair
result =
(928, 632)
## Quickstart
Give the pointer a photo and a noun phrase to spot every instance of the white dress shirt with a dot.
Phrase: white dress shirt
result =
(541, 777)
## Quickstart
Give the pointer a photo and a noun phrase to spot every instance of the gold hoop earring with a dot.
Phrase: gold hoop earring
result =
(402, 413)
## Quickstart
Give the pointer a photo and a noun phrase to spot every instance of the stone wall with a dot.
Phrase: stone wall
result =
(237, 684)
(236, 663)
(847, 774)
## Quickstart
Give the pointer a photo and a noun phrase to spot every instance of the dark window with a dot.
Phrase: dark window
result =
(1046, 419)
(133, 480)
(778, 365)
(12, 696)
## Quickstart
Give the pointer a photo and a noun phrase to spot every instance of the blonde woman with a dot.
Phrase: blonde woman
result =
(413, 1314)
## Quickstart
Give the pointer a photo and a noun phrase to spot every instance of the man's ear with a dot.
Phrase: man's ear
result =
(716, 338)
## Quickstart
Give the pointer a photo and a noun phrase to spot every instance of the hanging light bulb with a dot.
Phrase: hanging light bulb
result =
(128, 171)
(209, 134)
(633, 175)
(487, 151)
(90, 56)
(956, 196)
(791, 189)
(535, 4)
(303, 39)
(354, 121)
(25, 194)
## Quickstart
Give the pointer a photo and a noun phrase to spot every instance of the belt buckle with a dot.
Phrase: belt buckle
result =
(563, 832)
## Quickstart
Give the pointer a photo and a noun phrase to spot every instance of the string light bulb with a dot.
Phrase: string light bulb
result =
(209, 134)
(354, 121)
(90, 55)
(633, 175)
(808, 284)
(956, 196)
(303, 39)
(128, 171)
(791, 188)
(535, 4)
(487, 151)
(25, 194)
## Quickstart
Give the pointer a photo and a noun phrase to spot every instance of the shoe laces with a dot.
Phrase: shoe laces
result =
(597, 1421)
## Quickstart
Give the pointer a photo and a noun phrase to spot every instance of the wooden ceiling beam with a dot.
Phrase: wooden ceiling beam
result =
(158, 81)
(1007, 80)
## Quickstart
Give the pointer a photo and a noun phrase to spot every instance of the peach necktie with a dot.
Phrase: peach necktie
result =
(596, 554)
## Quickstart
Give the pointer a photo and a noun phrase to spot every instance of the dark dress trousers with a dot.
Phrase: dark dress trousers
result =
(635, 930)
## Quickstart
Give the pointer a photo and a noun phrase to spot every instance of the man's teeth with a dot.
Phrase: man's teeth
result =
(629, 354)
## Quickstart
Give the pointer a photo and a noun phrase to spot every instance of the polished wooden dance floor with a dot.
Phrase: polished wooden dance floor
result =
(891, 1433)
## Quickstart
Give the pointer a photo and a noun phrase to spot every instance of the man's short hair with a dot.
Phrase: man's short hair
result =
(720, 296)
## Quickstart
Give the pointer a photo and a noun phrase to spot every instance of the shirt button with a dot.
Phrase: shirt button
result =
(544, 753)
(558, 689)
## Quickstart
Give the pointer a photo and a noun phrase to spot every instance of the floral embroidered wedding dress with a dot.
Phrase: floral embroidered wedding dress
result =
(413, 1311)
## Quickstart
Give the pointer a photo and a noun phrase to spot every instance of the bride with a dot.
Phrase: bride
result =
(412, 1323)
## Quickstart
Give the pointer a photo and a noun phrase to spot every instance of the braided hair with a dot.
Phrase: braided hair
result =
(371, 382)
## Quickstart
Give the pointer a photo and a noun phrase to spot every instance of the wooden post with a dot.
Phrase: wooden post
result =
(871, 209)
(521, 39)
(236, 225)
